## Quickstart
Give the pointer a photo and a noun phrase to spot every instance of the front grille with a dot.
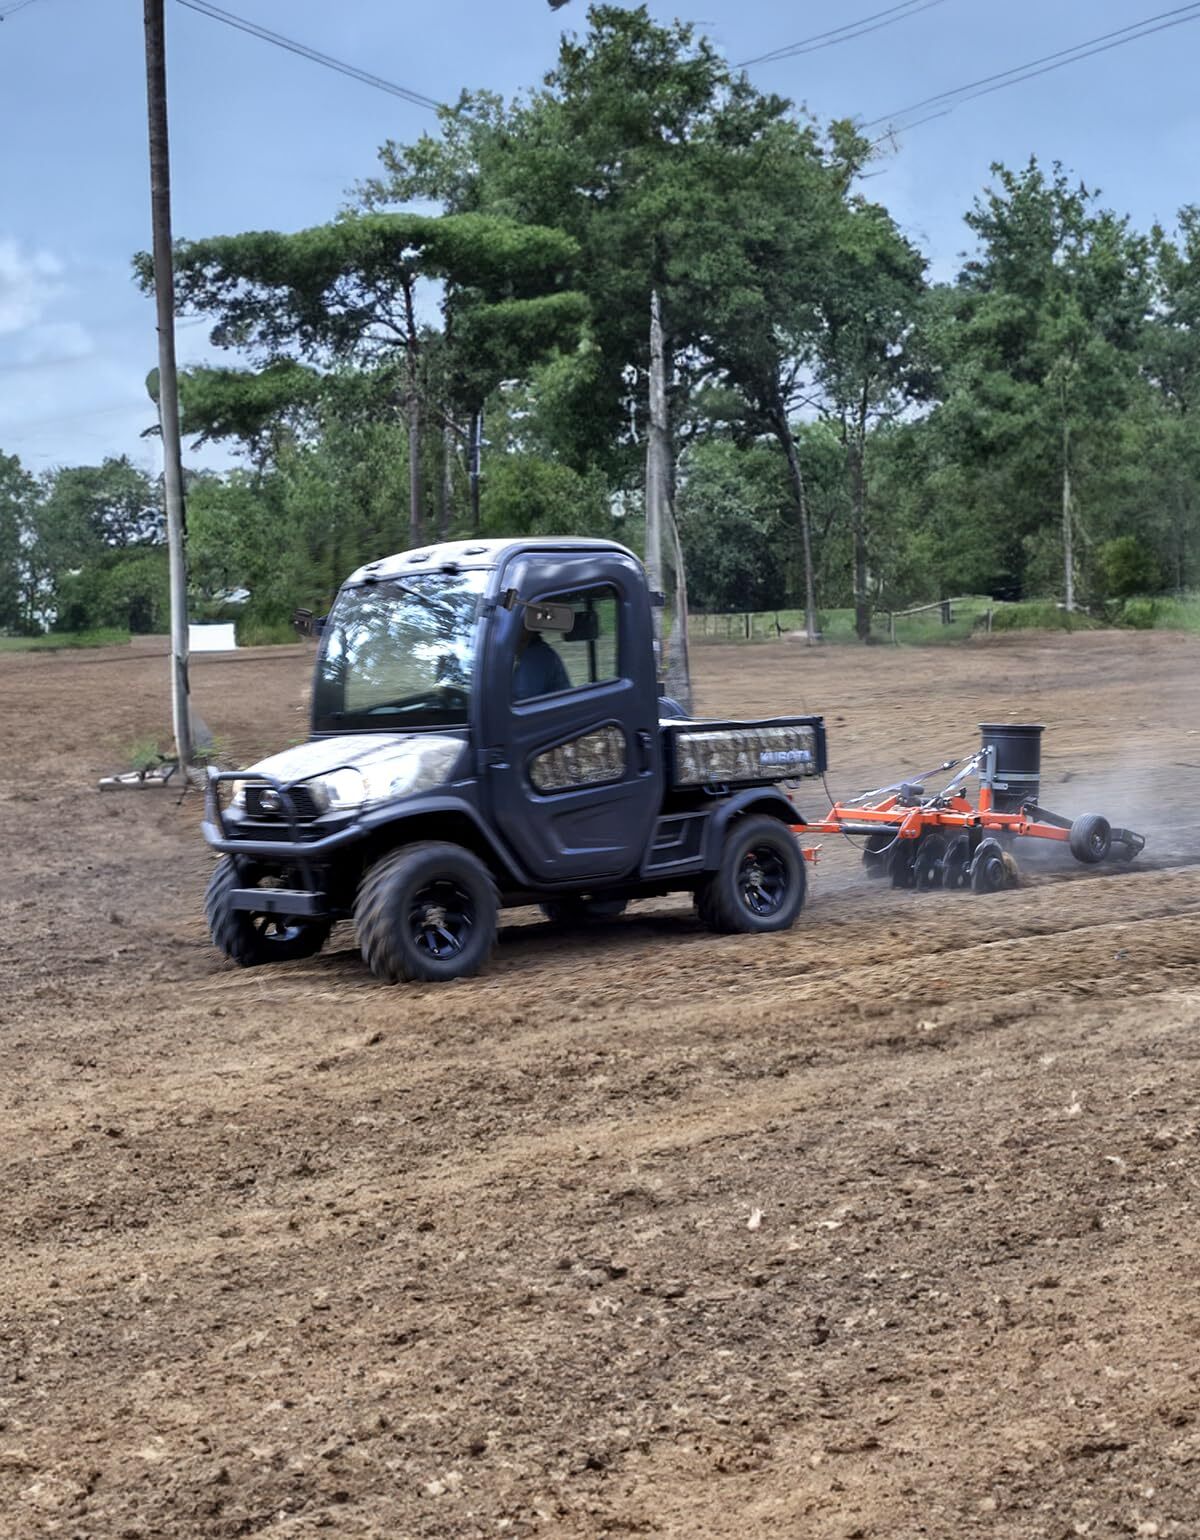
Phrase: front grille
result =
(300, 797)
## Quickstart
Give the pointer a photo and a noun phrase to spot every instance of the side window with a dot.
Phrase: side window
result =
(549, 662)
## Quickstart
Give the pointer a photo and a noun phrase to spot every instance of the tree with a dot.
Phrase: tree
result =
(93, 507)
(1042, 362)
(348, 293)
(18, 504)
(733, 523)
(866, 358)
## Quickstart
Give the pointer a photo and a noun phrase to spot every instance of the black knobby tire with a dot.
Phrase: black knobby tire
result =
(956, 863)
(760, 883)
(250, 939)
(426, 912)
(1091, 838)
(573, 910)
(989, 869)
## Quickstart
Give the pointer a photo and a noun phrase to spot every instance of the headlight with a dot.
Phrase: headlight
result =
(339, 791)
(414, 768)
(238, 799)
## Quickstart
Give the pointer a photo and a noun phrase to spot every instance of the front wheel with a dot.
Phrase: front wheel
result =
(760, 882)
(426, 912)
(250, 939)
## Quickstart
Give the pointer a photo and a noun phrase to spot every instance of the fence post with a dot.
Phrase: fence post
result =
(892, 626)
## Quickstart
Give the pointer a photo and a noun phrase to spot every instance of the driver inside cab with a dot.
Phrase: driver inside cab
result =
(538, 669)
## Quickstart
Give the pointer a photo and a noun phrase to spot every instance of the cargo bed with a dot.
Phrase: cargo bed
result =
(756, 753)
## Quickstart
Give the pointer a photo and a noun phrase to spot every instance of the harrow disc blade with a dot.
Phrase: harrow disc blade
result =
(956, 863)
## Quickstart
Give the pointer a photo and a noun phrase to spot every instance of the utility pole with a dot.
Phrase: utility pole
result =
(660, 523)
(168, 390)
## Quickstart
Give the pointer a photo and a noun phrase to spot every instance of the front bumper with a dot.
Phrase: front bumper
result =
(293, 839)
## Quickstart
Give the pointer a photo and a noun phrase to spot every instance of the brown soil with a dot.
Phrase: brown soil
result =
(288, 1252)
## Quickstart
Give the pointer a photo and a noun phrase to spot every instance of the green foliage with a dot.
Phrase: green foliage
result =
(19, 497)
(143, 754)
(1128, 567)
(732, 509)
(1039, 615)
(91, 507)
(526, 495)
(125, 589)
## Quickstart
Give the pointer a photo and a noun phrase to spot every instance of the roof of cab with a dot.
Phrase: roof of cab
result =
(475, 553)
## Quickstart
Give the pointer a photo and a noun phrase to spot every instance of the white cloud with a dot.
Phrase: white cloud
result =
(28, 285)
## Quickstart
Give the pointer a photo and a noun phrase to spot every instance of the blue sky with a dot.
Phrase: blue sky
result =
(263, 139)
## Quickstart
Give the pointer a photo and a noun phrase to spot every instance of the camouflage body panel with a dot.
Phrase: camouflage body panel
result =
(723, 756)
(588, 761)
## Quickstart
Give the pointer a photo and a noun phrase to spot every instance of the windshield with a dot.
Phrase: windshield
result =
(399, 654)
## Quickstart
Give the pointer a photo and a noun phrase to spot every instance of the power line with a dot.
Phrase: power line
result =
(948, 100)
(843, 34)
(216, 14)
(11, 10)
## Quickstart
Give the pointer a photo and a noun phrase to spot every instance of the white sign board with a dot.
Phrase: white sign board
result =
(216, 638)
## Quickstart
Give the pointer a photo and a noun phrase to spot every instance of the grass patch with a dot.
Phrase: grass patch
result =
(56, 641)
(1040, 615)
(1162, 614)
(265, 633)
(143, 754)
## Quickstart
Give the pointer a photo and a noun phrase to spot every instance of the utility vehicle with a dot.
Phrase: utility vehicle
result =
(488, 729)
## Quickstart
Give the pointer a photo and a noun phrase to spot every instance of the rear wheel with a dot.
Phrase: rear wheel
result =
(250, 939)
(760, 882)
(426, 912)
(1091, 838)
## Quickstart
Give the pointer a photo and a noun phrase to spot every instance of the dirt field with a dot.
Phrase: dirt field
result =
(287, 1252)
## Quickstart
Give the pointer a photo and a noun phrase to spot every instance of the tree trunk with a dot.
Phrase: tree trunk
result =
(1067, 530)
(783, 432)
(475, 453)
(416, 522)
(445, 489)
(657, 454)
(858, 498)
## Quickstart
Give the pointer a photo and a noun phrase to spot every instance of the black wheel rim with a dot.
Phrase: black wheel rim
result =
(763, 881)
(441, 917)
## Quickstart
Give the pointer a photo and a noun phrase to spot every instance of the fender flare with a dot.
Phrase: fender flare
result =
(414, 815)
(756, 800)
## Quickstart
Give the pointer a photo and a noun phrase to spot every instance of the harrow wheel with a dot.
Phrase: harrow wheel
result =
(930, 863)
(956, 863)
(1091, 838)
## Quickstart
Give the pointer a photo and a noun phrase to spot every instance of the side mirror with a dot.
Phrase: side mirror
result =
(549, 617)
